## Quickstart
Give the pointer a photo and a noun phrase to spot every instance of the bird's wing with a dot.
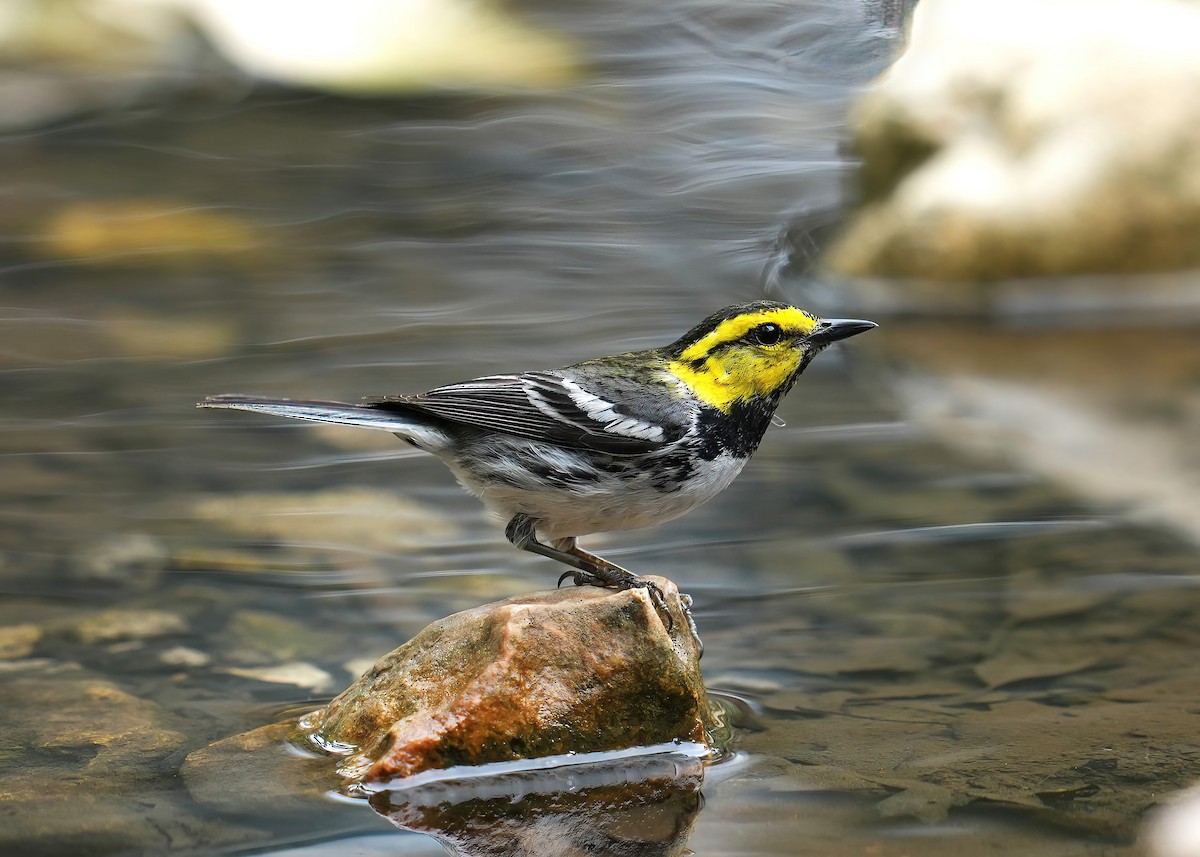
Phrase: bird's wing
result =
(565, 408)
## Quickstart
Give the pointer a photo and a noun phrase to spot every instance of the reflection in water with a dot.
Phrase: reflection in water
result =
(644, 807)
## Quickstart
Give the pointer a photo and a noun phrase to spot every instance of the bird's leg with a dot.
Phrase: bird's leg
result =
(590, 570)
(521, 532)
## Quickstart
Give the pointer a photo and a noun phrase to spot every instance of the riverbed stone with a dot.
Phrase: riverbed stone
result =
(124, 559)
(297, 673)
(574, 670)
(83, 761)
(18, 641)
(1031, 138)
(255, 773)
(364, 517)
(110, 626)
(259, 637)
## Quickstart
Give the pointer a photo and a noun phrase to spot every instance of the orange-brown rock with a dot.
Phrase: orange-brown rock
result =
(575, 670)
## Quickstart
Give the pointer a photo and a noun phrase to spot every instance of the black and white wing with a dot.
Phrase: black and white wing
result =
(563, 407)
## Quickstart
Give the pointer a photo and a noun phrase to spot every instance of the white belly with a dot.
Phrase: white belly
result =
(543, 482)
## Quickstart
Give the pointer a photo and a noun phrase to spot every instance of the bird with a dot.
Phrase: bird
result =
(615, 443)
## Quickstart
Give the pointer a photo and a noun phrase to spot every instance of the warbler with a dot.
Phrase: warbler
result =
(615, 443)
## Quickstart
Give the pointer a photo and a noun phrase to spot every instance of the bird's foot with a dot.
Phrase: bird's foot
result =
(614, 577)
(587, 569)
(581, 578)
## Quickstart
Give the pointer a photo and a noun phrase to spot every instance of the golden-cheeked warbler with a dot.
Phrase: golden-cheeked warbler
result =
(615, 443)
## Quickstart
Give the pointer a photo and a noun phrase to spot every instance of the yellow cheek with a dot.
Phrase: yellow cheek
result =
(737, 375)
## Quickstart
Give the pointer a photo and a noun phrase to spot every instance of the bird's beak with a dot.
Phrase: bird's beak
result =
(833, 329)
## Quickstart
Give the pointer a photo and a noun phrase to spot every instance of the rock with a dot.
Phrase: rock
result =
(1023, 138)
(63, 57)
(96, 748)
(18, 641)
(298, 673)
(645, 806)
(112, 625)
(256, 773)
(576, 670)
(110, 730)
(142, 336)
(928, 803)
(149, 232)
(126, 559)
(377, 47)
(257, 637)
(364, 517)
(186, 657)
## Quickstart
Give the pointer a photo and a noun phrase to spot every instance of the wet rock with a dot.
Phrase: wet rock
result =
(364, 47)
(109, 728)
(148, 232)
(113, 625)
(870, 654)
(259, 637)
(77, 751)
(97, 53)
(257, 773)
(367, 518)
(42, 666)
(1012, 667)
(298, 673)
(126, 559)
(1033, 594)
(143, 336)
(925, 802)
(645, 806)
(186, 657)
(1032, 138)
(358, 667)
(575, 670)
(18, 641)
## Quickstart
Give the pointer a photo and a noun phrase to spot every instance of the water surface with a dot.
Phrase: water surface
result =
(925, 652)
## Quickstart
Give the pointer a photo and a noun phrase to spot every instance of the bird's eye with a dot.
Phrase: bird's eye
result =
(766, 334)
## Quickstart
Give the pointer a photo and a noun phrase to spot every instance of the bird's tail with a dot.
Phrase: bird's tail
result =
(394, 419)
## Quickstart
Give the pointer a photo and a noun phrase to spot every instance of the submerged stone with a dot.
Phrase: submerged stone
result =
(575, 670)
(364, 517)
(116, 625)
(18, 641)
(294, 672)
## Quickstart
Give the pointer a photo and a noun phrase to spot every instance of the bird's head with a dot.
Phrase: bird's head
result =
(753, 351)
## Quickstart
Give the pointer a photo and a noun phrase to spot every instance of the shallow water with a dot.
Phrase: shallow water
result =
(924, 652)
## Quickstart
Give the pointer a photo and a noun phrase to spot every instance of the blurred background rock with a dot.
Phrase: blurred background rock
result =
(1029, 214)
(67, 54)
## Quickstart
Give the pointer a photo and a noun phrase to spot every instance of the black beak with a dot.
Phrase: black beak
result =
(834, 329)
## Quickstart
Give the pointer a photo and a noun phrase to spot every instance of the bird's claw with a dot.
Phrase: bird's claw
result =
(585, 578)
(656, 597)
